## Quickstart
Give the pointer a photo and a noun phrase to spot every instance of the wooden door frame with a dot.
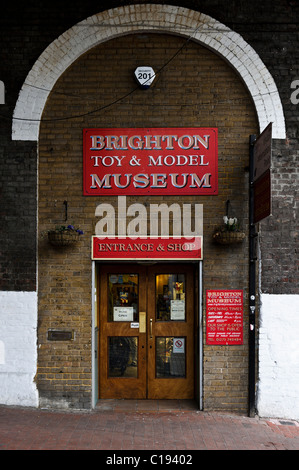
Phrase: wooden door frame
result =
(198, 327)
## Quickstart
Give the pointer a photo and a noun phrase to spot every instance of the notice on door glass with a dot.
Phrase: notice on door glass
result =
(177, 310)
(123, 314)
(178, 345)
(224, 317)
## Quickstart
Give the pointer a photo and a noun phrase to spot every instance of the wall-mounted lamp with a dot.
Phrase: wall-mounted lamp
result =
(144, 76)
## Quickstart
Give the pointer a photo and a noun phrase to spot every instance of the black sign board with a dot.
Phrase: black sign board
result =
(262, 175)
(60, 335)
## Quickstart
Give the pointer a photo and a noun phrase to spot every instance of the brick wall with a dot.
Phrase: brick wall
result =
(197, 89)
(26, 30)
(279, 233)
(18, 181)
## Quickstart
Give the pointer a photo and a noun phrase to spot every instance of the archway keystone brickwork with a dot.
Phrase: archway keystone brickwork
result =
(62, 52)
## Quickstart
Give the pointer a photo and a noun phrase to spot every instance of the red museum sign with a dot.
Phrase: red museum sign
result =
(153, 248)
(156, 161)
(224, 317)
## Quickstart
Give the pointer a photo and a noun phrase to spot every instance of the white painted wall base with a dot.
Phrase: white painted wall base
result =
(278, 384)
(18, 350)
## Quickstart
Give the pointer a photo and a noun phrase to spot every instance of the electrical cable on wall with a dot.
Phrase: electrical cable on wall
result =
(104, 106)
(123, 97)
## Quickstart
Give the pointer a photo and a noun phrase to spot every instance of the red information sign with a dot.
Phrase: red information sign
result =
(224, 317)
(156, 161)
(154, 248)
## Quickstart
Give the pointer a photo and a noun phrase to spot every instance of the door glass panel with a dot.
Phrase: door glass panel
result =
(123, 297)
(170, 357)
(170, 297)
(122, 356)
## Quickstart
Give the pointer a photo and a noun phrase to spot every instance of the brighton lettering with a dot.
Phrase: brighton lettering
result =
(147, 142)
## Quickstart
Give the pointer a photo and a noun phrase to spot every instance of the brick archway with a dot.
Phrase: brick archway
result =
(129, 19)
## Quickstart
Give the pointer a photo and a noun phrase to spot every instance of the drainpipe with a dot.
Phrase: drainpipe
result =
(252, 288)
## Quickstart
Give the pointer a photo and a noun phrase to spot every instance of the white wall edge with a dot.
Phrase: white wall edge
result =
(278, 368)
(18, 348)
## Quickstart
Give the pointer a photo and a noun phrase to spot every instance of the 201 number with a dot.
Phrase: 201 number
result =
(144, 76)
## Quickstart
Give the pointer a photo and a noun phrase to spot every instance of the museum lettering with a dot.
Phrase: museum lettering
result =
(154, 180)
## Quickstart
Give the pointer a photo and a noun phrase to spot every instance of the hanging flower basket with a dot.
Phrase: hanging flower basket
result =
(64, 236)
(229, 233)
(228, 238)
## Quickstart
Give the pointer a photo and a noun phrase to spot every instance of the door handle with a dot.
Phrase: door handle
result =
(151, 328)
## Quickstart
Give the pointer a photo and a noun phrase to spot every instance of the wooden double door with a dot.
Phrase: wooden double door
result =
(146, 331)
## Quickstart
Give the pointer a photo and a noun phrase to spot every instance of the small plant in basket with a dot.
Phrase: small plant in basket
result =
(231, 224)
